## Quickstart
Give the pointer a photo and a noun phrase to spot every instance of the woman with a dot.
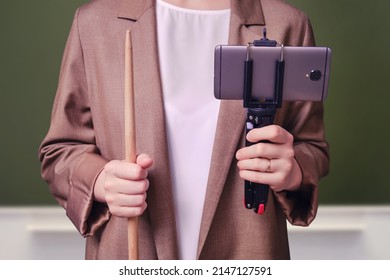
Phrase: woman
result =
(187, 184)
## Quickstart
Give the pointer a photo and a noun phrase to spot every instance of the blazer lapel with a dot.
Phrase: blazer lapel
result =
(231, 117)
(139, 17)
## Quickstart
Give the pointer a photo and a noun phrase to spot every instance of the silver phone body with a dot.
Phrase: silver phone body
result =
(297, 84)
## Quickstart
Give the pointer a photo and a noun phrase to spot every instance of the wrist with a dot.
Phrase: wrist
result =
(98, 187)
(296, 178)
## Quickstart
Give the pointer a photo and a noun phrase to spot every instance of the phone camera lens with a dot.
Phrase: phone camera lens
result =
(315, 75)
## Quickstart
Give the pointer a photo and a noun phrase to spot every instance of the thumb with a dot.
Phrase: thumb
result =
(144, 161)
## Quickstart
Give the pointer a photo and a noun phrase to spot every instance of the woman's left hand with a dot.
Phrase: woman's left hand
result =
(271, 163)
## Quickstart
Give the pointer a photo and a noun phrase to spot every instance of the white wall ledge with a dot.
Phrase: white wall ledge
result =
(343, 218)
(338, 232)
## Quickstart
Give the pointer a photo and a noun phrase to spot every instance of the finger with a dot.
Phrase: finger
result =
(256, 164)
(274, 180)
(121, 200)
(265, 150)
(272, 133)
(259, 150)
(128, 212)
(265, 165)
(117, 185)
(125, 170)
(277, 176)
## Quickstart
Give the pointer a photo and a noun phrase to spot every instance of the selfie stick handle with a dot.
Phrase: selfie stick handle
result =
(260, 113)
(256, 194)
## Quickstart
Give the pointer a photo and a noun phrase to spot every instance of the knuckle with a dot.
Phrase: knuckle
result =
(110, 199)
(141, 199)
(107, 186)
(110, 166)
(144, 206)
(259, 148)
(290, 138)
(145, 196)
(135, 171)
(275, 131)
(145, 185)
(135, 201)
(290, 153)
(108, 183)
(140, 187)
(138, 172)
(137, 211)
(113, 209)
(288, 167)
(242, 174)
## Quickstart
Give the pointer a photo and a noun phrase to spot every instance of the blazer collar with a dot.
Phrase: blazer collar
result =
(250, 11)
(134, 9)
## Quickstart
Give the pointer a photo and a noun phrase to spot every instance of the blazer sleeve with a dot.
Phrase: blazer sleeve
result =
(304, 120)
(70, 158)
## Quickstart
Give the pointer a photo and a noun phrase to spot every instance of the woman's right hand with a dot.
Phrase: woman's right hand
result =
(123, 185)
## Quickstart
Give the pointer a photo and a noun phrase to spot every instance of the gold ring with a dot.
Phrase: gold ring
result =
(269, 166)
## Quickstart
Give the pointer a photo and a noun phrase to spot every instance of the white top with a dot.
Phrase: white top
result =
(186, 42)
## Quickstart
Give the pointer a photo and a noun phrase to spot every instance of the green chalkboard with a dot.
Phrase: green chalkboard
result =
(357, 112)
(33, 36)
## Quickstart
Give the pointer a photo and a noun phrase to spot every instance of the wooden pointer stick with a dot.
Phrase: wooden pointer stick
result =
(130, 150)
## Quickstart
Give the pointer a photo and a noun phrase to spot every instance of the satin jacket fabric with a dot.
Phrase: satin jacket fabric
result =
(86, 131)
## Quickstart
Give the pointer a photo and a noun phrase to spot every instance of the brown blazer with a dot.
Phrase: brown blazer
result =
(86, 131)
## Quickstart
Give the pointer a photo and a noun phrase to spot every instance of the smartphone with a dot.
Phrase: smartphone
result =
(306, 72)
